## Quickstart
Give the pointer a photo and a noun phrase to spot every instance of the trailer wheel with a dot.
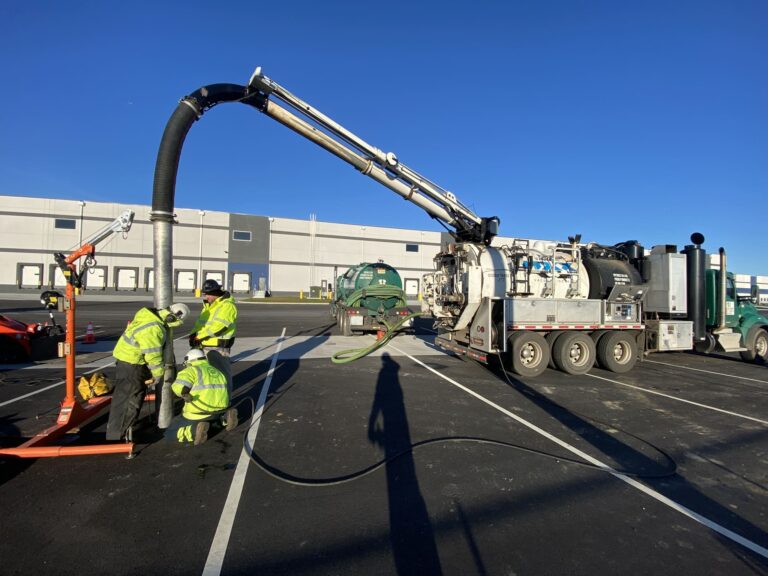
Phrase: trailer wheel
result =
(757, 345)
(574, 353)
(528, 353)
(617, 351)
(550, 338)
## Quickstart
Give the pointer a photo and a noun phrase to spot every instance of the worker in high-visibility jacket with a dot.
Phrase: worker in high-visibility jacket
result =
(214, 331)
(206, 400)
(143, 357)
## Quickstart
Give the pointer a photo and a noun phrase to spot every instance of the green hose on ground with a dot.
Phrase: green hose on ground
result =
(356, 353)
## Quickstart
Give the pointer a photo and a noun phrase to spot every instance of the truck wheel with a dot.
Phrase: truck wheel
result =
(528, 353)
(617, 351)
(574, 353)
(757, 346)
(550, 338)
(596, 335)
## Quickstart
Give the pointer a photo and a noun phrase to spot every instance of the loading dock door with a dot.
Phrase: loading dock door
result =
(185, 281)
(58, 278)
(126, 279)
(241, 282)
(218, 276)
(411, 287)
(96, 279)
(31, 275)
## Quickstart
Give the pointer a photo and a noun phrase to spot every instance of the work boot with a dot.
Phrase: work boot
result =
(230, 419)
(201, 432)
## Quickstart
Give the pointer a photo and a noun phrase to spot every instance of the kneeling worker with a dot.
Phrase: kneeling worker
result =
(206, 399)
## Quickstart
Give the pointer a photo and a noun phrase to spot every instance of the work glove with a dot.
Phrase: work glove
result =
(193, 339)
(170, 373)
(185, 395)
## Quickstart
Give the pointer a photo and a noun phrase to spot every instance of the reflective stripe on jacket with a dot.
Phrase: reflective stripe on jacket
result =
(143, 341)
(207, 386)
(218, 322)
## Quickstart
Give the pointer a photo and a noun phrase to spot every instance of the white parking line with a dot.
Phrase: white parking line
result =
(707, 371)
(220, 542)
(680, 399)
(756, 548)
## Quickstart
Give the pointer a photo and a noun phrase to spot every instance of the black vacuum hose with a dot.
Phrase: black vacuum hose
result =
(190, 109)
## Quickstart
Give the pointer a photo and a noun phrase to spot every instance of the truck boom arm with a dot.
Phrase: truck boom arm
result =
(383, 167)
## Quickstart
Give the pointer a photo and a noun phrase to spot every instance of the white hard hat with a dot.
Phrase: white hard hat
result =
(194, 354)
(179, 310)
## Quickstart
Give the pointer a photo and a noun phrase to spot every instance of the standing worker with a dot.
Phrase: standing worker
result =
(143, 356)
(214, 331)
(206, 399)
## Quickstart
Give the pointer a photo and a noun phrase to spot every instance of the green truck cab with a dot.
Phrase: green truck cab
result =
(741, 318)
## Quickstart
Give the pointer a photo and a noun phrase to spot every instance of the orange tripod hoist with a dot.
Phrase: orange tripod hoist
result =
(74, 414)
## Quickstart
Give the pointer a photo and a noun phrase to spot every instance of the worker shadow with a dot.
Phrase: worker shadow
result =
(10, 436)
(410, 530)
(630, 456)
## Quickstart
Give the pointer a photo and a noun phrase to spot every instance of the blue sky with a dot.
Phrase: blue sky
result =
(616, 120)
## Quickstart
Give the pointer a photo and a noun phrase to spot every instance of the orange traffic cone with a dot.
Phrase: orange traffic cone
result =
(89, 336)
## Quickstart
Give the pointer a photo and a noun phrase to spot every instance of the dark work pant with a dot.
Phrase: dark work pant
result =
(127, 397)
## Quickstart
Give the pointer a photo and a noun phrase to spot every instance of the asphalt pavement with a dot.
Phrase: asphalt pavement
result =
(409, 461)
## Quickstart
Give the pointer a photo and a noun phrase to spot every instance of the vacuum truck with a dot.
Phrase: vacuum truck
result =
(369, 298)
(532, 304)
(569, 305)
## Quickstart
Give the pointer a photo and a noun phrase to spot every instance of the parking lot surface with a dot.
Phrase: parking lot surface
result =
(408, 461)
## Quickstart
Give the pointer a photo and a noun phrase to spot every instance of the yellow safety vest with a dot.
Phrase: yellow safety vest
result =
(217, 323)
(207, 386)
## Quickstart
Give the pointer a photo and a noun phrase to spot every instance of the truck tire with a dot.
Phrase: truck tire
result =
(596, 335)
(574, 353)
(550, 338)
(756, 345)
(528, 354)
(617, 351)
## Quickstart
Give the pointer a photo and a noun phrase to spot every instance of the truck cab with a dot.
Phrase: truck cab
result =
(740, 317)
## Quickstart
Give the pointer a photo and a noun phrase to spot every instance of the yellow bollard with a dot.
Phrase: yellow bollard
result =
(197, 292)
(419, 296)
(301, 294)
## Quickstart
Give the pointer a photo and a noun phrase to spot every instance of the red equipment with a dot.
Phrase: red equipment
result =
(74, 414)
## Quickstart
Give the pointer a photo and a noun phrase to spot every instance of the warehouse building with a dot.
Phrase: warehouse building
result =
(248, 254)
